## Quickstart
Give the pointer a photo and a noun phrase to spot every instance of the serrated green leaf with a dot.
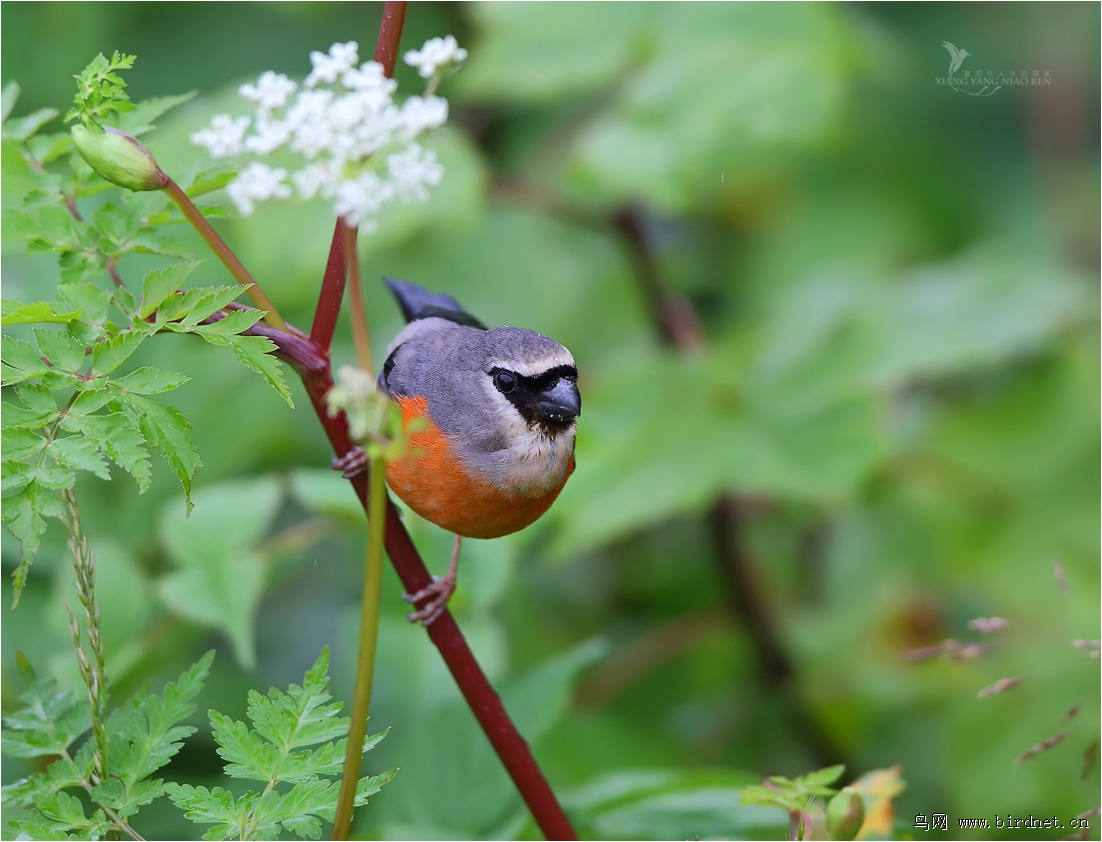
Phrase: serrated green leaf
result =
(209, 806)
(67, 813)
(111, 353)
(256, 353)
(19, 444)
(21, 360)
(92, 302)
(196, 304)
(823, 777)
(80, 454)
(125, 301)
(37, 397)
(149, 381)
(160, 283)
(60, 349)
(166, 429)
(24, 513)
(39, 312)
(49, 722)
(146, 734)
(117, 437)
(234, 322)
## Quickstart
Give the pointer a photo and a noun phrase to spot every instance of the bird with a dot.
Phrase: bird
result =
(491, 419)
(957, 56)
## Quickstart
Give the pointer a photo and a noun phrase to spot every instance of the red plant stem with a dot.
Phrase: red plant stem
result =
(310, 358)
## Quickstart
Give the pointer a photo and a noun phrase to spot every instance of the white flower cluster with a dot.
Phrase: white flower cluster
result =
(360, 147)
(436, 53)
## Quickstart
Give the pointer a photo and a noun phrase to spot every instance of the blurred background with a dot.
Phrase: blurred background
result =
(838, 338)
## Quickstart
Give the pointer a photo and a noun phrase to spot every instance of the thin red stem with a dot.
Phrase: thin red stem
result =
(310, 358)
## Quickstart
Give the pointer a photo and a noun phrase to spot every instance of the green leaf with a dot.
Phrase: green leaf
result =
(256, 353)
(220, 576)
(149, 381)
(8, 99)
(21, 444)
(92, 301)
(118, 438)
(61, 350)
(25, 513)
(640, 804)
(17, 313)
(23, 127)
(21, 361)
(146, 735)
(165, 429)
(146, 112)
(111, 353)
(79, 454)
(234, 322)
(162, 282)
(49, 722)
(210, 806)
(195, 305)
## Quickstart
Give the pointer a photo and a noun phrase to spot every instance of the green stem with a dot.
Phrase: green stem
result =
(228, 258)
(369, 630)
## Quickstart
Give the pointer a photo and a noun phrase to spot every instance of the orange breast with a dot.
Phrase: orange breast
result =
(433, 483)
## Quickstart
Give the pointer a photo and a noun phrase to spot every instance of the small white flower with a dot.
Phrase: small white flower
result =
(270, 92)
(327, 68)
(224, 136)
(257, 183)
(436, 53)
(370, 76)
(421, 113)
(358, 199)
(316, 178)
(269, 135)
(412, 171)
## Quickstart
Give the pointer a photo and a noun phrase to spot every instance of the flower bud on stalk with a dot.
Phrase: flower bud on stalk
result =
(845, 814)
(119, 158)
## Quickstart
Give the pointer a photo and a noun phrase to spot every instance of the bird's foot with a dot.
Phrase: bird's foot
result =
(437, 594)
(352, 464)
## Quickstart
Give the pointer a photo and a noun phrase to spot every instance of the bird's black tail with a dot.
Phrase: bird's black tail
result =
(418, 303)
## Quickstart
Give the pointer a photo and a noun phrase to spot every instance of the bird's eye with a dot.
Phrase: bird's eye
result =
(505, 381)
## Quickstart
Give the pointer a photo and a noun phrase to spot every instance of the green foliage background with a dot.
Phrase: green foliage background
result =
(898, 394)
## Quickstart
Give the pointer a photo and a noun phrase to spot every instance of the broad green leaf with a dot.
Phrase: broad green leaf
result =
(220, 576)
(22, 128)
(643, 804)
(17, 313)
(8, 99)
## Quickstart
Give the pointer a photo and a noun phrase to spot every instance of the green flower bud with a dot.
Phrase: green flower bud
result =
(119, 158)
(845, 814)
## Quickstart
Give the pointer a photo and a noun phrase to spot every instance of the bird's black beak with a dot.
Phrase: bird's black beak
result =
(561, 403)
